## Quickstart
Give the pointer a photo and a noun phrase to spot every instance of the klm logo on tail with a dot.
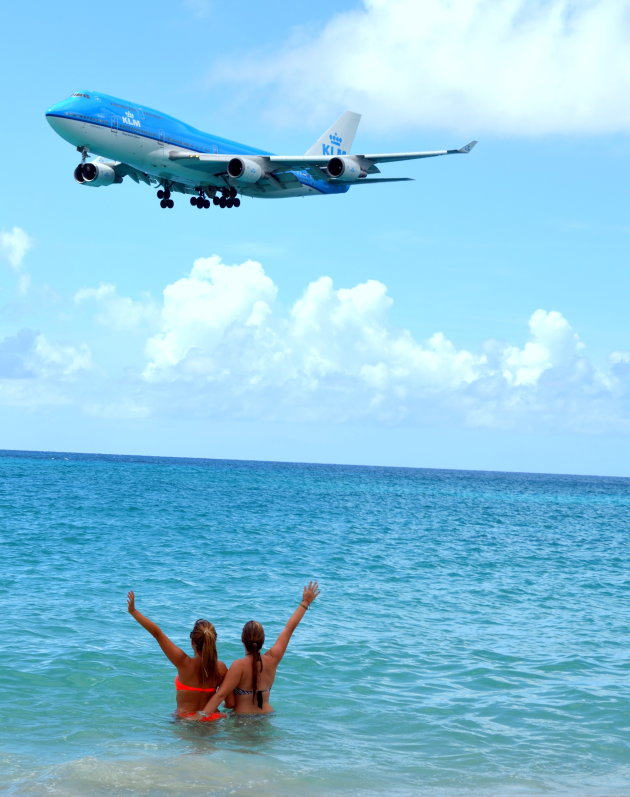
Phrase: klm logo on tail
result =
(338, 138)
(335, 141)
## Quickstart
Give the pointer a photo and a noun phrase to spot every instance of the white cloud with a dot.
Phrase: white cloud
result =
(14, 245)
(553, 343)
(201, 310)
(57, 360)
(221, 345)
(29, 354)
(225, 348)
(515, 66)
(36, 372)
(118, 312)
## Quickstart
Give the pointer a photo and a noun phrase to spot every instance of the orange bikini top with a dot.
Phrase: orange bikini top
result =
(183, 688)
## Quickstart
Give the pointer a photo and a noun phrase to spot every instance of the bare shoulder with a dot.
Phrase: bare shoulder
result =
(272, 656)
(221, 668)
(237, 665)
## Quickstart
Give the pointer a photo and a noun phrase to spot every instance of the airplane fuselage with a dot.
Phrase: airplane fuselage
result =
(145, 139)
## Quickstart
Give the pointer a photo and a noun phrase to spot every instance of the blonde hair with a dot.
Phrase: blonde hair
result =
(204, 640)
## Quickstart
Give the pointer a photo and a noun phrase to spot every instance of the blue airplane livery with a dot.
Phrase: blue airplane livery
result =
(134, 141)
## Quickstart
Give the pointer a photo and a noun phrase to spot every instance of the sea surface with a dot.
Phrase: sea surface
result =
(472, 636)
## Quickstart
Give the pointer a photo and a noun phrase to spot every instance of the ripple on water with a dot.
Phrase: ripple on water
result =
(470, 637)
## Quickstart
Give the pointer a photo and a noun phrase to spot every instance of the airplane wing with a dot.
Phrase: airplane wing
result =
(214, 169)
(282, 163)
(407, 156)
(217, 164)
(124, 170)
(208, 164)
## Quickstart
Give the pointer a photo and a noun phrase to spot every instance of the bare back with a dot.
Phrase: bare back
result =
(244, 695)
(192, 689)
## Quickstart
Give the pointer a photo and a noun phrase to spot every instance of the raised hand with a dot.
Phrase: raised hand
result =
(131, 598)
(310, 592)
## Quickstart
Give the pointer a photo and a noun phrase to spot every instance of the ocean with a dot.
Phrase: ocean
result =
(472, 636)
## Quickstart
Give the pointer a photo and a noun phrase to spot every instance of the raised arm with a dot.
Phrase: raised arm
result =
(277, 650)
(174, 654)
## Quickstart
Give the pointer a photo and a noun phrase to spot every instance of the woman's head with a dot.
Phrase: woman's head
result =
(203, 638)
(253, 636)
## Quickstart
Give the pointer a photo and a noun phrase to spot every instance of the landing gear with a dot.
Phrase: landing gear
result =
(200, 201)
(164, 195)
(228, 198)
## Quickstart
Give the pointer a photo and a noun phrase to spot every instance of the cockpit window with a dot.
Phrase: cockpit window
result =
(81, 94)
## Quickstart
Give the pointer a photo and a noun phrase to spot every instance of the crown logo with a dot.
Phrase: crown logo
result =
(335, 139)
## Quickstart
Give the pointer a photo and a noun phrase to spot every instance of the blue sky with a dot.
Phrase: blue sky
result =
(475, 318)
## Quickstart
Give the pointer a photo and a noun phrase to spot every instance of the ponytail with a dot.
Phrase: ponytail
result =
(256, 668)
(253, 638)
(204, 639)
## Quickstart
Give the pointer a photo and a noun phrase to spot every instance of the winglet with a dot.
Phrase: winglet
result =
(465, 150)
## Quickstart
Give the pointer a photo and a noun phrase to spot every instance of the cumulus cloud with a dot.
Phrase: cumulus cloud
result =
(29, 355)
(118, 312)
(515, 66)
(224, 347)
(35, 371)
(214, 304)
(14, 244)
(57, 360)
(553, 343)
(220, 344)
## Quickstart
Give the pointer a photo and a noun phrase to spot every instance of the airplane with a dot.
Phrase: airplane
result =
(148, 146)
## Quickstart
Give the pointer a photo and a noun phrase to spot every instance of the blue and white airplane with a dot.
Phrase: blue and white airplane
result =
(148, 146)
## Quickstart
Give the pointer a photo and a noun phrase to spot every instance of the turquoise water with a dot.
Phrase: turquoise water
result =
(472, 636)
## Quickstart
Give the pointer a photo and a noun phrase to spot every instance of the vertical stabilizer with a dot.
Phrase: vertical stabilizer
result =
(337, 140)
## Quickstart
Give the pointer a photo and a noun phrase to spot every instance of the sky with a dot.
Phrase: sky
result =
(476, 318)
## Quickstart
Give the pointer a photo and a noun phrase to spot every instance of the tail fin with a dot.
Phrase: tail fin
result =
(337, 140)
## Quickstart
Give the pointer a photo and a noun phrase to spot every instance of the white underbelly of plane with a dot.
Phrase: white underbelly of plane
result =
(149, 156)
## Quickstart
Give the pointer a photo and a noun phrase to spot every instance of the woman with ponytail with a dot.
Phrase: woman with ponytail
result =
(250, 679)
(198, 676)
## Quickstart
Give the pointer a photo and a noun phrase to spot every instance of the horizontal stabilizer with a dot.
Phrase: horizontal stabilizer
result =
(381, 180)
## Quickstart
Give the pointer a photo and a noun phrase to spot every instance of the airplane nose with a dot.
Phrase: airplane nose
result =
(59, 109)
(63, 118)
(53, 120)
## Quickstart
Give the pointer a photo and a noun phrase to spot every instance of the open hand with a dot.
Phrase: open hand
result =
(311, 592)
(131, 598)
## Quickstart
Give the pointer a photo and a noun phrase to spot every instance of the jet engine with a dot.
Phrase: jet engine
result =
(245, 170)
(95, 174)
(345, 169)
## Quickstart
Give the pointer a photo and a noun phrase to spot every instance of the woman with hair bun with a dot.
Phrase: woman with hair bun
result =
(250, 679)
(198, 676)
